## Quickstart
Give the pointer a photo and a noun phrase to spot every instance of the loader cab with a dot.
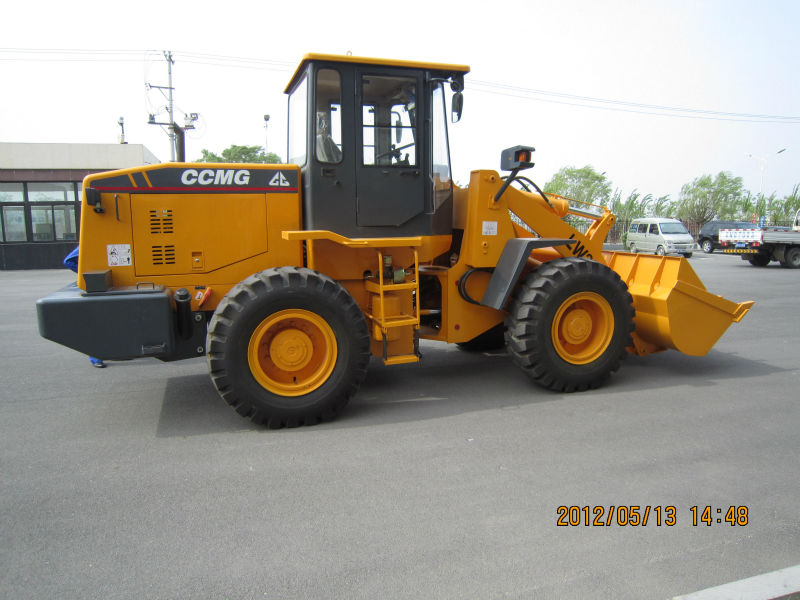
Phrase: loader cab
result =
(370, 137)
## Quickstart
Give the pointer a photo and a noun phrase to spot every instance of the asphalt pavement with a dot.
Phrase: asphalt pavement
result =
(440, 480)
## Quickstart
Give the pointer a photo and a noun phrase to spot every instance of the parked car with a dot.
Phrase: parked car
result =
(708, 238)
(660, 235)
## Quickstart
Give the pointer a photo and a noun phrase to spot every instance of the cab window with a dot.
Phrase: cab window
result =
(442, 182)
(653, 229)
(328, 133)
(298, 109)
(389, 121)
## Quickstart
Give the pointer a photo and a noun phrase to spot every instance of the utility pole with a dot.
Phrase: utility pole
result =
(168, 56)
(173, 129)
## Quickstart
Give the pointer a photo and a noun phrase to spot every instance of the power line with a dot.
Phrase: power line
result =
(538, 95)
(222, 57)
(629, 104)
(783, 121)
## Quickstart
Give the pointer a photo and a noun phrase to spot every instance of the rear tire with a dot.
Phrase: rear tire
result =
(791, 258)
(759, 260)
(707, 246)
(569, 323)
(632, 248)
(288, 347)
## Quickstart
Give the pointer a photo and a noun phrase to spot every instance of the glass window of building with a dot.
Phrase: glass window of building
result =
(11, 192)
(12, 224)
(14, 227)
(51, 192)
(52, 211)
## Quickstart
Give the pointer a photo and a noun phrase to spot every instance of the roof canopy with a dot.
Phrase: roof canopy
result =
(362, 60)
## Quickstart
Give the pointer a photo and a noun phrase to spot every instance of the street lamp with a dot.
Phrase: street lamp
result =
(121, 124)
(762, 164)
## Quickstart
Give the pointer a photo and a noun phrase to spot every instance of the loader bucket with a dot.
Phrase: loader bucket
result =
(673, 308)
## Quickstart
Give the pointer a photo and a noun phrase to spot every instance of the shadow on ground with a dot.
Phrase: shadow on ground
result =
(448, 382)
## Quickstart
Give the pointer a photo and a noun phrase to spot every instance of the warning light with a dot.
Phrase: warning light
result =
(516, 158)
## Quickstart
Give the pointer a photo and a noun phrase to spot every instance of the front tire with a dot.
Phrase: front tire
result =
(660, 251)
(569, 323)
(288, 347)
(707, 246)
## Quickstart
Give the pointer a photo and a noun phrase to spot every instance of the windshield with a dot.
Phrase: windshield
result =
(673, 228)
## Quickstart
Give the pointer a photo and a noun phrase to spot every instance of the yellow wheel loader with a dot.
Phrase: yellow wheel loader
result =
(289, 278)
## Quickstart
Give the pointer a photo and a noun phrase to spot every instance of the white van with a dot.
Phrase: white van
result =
(659, 235)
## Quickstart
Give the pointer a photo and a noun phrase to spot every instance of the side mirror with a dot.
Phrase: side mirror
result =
(457, 106)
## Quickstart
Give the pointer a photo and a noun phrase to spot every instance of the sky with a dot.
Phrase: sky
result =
(584, 82)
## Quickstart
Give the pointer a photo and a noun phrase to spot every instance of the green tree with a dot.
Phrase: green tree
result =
(708, 197)
(635, 205)
(582, 185)
(241, 154)
(661, 206)
(782, 211)
(745, 208)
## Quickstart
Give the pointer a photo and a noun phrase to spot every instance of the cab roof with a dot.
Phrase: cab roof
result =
(363, 60)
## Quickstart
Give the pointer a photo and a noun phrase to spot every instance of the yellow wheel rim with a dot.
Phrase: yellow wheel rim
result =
(582, 328)
(292, 352)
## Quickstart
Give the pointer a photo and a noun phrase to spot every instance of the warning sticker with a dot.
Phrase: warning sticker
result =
(489, 228)
(119, 255)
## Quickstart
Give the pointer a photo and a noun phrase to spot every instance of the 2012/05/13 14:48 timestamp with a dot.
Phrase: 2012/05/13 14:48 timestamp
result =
(641, 516)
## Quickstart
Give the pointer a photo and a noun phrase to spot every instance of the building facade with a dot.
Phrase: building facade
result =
(40, 192)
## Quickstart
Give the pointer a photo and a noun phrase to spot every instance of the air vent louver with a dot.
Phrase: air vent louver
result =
(164, 255)
(161, 221)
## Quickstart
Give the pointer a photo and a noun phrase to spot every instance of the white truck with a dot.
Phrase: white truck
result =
(761, 246)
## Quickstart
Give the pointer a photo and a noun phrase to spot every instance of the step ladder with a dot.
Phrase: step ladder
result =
(385, 319)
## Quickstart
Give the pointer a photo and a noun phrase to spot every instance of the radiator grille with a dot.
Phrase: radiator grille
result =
(164, 255)
(161, 221)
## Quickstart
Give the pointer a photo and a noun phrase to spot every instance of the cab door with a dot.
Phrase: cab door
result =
(389, 146)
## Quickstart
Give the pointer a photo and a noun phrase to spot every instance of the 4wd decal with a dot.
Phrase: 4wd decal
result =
(579, 249)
